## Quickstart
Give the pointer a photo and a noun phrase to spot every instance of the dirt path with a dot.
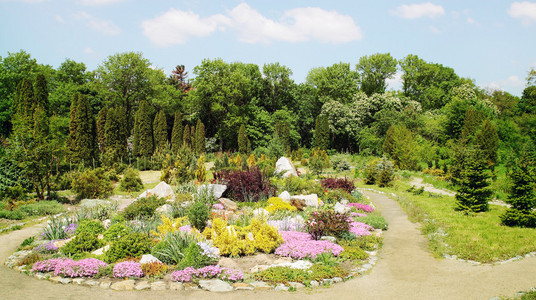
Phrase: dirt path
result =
(405, 270)
(417, 182)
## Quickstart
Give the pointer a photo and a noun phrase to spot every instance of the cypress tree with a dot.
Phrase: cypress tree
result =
(242, 139)
(41, 93)
(136, 135)
(115, 134)
(186, 136)
(101, 122)
(72, 147)
(192, 138)
(160, 130)
(487, 139)
(85, 133)
(176, 133)
(143, 132)
(200, 137)
(321, 134)
(24, 104)
(474, 192)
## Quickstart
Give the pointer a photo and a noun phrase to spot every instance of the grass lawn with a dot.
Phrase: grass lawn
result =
(478, 237)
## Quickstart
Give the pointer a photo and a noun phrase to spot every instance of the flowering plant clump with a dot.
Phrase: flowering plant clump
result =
(363, 207)
(360, 229)
(127, 269)
(218, 206)
(287, 224)
(46, 248)
(88, 267)
(48, 265)
(70, 229)
(355, 214)
(209, 250)
(276, 203)
(188, 274)
(300, 245)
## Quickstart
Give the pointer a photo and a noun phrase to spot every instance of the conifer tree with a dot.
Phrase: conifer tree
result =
(143, 133)
(100, 125)
(24, 103)
(242, 139)
(285, 134)
(200, 137)
(321, 134)
(73, 127)
(84, 139)
(115, 134)
(192, 138)
(41, 93)
(176, 133)
(487, 138)
(474, 192)
(160, 130)
(186, 136)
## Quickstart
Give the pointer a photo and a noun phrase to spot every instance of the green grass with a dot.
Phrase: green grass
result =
(477, 237)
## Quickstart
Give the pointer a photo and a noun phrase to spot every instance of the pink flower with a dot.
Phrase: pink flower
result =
(363, 207)
(127, 269)
(360, 229)
(300, 245)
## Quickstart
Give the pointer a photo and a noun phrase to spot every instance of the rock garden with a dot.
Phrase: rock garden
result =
(243, 231)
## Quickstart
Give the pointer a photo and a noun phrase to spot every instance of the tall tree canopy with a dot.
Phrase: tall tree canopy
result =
(373, 72)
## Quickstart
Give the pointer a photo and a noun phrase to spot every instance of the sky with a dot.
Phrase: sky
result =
(492, 42)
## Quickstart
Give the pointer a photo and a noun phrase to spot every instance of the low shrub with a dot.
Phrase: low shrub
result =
(130, 245)
(143, 207)
(246, 186)
(293, 184)
(199, 211)
(89, 227)
(92, 184)
(286, 274)
(80, 244)
(116, 231)
(12, 215)
(380, 172)
(154, 269)
(344, 184)
(30, 259)
(327, 222)
(131, 181)
(41, 208)
(276, 204)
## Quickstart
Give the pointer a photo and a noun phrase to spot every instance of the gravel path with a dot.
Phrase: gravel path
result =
(405, 270)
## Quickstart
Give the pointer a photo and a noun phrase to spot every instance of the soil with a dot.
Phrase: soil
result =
(405, 270)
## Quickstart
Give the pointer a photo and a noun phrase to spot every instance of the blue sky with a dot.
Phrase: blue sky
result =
(492, 42)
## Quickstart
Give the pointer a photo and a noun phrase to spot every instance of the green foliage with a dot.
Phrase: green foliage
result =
(143, 132)
(400, 146)
(176, 133)
(143, 207)
(199, 138)
(317, 272)
(380, 172)
(199, 211)
(374, 70)
(131, 181)
(82, 132)
(181, 249)
(115, 135)
(474, 192)
(242, 139)
(376, 221)
(321, 136)
(487, 138)
(116, 231)
(160, 130)
(100, 127)
(41, 208)
(91, 184)
(54, 230)
(89, 227)
(81, 243)
(130, 245)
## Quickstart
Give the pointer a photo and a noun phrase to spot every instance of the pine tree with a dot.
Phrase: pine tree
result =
(474, 192)
(143, 132)
(186, 136)
(176, 133)
(200, 137)
(242, 139)
(101, 122)
(160, 130)
(487, 139)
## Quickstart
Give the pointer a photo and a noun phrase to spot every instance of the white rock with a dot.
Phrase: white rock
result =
(310, 200)
(106, 223)
(300, 264)
(328, 238)
(340, 208)
(215, 285)
(165, 210)
(162, 190)
(285, 196)
(285, 167)
(101, 251)
(217, 189)
(148, 258)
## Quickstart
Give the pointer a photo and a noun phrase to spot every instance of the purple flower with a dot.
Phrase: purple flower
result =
(363, 207)
(67, 267)
(189, 273)
(46, 248)
(127, 269)
(300, 245)
(70, 229)
(48, 265)
(360, 229)
(218, 206)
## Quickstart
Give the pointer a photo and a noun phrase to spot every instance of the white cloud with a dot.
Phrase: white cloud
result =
(59, 19)
(415, 11)
(106, 27)
(98, 2)
(526, 11)
(471, 20)
(296, 25)
(511, 82)
(88, 50)
(177, 26)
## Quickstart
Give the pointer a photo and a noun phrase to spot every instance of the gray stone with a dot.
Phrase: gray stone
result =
(91, 283)
(78, 281)
(300, 264)
(285, 196)
(285, 167)
(217, 189)
(314, 283)
(176, 286)
(142, 285)
(328, 238)
(162, 190)
(337, 279)
(65, 280)
(158, 286)
(105, 284)
(228, 204)
(309, 200)
(260, 285)
(125, 285)
(215, 285)
(55, 279)
(296, 285)
(327, 281)
(165, 210)
(191, 286)
(41, 276)
(340, 208)
(14, 258)
(367, 266)
(242, 286)
(281, 287)
(148, 258)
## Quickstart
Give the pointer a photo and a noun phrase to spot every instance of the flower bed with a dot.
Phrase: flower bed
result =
(300, 245)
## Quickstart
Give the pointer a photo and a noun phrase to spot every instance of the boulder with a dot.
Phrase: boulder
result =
(228, 204)
(148, 258)
(285, 196)
(340, 208)
(217, 189)
(285, 167)
(125, 285)
(165, 210)
(308, 200)
(162, 190)
(101, 251)
(215, 285)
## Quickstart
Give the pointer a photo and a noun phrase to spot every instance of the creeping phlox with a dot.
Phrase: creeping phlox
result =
(360, 229)
(67, 267)
(190, 273)
(363, 207)
(300, 245)
(127, 269)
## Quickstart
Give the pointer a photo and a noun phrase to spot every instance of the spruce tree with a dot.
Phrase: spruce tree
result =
(186, 136)
(487, 139)
(474, 192)
(176, 133)
(160, 130)
(200, 137)
(100, 125)
(143, 132)
(242, 139)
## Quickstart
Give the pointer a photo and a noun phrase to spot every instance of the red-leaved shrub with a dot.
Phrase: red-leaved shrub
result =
(338, 183)
(248, 185)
